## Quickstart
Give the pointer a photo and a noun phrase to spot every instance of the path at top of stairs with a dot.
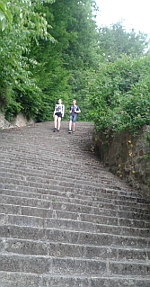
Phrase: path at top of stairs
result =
(65, 220)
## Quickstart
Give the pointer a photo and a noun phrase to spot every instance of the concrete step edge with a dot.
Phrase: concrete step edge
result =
(44, 221)
(71, 250)
(71, 231)
(113, 277)
(78, 206)
(71, 196)
(14, 255)
(44, 241)
(91, 218)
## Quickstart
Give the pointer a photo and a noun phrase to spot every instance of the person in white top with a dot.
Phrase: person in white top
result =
(58, 115)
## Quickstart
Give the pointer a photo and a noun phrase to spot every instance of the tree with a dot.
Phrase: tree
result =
(18, 88)
(65, 62)
(115, 41)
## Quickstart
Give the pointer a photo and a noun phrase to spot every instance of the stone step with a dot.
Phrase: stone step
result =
(75, 182)
(65, 220)
(60, 179)
(75, 198)
(49, 163)
(69, 207)
(85, 173)
(103, 184)
(52, 157)
(11, 184)
(17, 279)
(46, 210)
(128, 191)
(70, 224)
(73, 237)
(26, 170)
(52, 180)
(98, 193)
(57, 213)
(72, 266)
(63, 250)
(37, 175)
(33, 155)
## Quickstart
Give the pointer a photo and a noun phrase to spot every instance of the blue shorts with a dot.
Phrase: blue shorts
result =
(73, 117)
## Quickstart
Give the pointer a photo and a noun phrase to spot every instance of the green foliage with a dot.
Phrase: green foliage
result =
(16, 76)
(120, 95)
(115, 41)
(13, 109)
(81, 51)
(75, 32)
(5, 15)
(62, 64)
(79, 81)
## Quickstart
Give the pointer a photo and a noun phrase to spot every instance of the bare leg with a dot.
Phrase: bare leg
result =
(70, 125)
(73, 127)
(55, 122)
(58, 123)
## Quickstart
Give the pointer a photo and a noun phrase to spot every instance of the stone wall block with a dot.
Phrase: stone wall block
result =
(19, 121)
(124, 155)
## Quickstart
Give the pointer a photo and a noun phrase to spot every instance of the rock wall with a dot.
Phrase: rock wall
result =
(20, 121)
(124, 155)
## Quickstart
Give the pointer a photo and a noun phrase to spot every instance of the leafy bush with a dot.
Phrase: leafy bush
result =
(120, 95)
(12, 110)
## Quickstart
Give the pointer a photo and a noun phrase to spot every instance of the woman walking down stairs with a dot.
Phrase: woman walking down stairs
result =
(65, 220)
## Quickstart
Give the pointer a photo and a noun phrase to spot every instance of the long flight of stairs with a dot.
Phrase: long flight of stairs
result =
(65, 221)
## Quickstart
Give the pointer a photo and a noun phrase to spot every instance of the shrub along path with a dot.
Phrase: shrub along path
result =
(65, 220)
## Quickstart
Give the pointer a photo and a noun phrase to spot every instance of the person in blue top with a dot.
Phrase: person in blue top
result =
(58, 114)
(73, 110)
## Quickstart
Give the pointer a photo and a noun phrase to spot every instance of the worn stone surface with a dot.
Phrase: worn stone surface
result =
(124, 156)
(19, 121)
(65, 220)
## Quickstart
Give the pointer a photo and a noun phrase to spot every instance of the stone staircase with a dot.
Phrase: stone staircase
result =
(65, 220)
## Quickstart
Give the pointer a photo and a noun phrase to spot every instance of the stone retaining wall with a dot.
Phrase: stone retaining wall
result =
(124, 155)
(20, 121)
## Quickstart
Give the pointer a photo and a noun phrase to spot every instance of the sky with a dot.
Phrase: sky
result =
(134, 13)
